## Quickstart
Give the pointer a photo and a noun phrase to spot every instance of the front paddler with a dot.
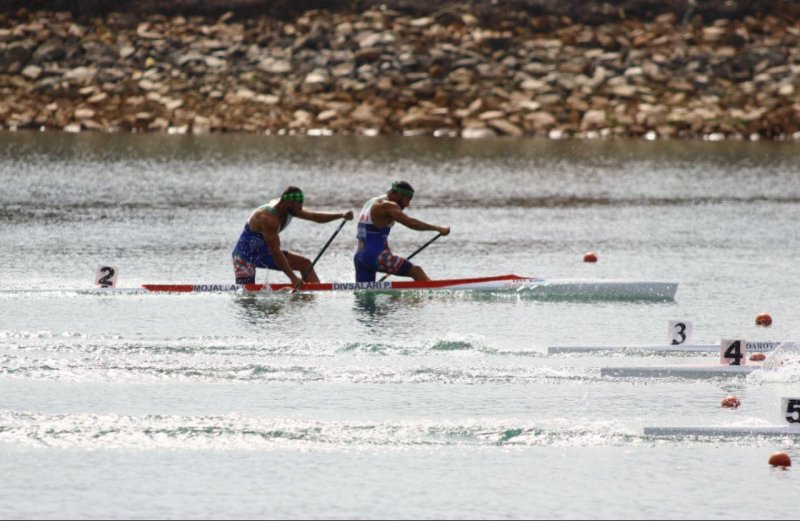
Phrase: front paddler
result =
(374, 225)
(259, 245)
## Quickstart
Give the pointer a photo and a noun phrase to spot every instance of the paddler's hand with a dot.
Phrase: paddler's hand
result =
(348, 216)
(444, 230)
(297, 282)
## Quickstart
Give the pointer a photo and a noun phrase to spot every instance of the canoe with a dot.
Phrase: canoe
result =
(529, 286)
(533, 287)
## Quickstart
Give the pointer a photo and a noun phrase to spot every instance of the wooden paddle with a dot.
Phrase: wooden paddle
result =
(305, 273)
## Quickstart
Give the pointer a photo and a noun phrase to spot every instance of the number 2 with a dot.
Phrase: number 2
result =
(105, 281)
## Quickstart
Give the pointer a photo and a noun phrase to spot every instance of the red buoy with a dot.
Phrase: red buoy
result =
(731, 402)
(780, 459)
(764, 320)
(758, 357)
(590, 257)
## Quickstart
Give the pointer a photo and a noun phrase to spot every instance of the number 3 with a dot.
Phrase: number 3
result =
(681, 327)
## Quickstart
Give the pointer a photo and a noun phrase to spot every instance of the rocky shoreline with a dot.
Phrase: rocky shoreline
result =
(383, 71)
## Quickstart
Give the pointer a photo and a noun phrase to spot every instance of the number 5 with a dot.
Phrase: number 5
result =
(791, 408)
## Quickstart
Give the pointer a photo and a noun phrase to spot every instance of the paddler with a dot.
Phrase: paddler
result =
(374, 225)
(259, 245)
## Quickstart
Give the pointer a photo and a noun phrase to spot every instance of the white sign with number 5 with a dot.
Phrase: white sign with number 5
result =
(105, 277)
(680, 332)
(733, 352)
(790, 407)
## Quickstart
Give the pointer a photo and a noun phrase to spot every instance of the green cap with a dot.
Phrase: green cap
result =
(401, 190)
(294, 196)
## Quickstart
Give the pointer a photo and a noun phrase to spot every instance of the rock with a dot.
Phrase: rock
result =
(541, 121)
(594, 119)
(84, 113)
(506, 127)
(14, 57)
(49, 51)
(32, 72)
(274, 66)
(80, 74)
(316, 81)
(491, 114)
(327, 115)
(201, 125)
(477, 133)
(422, 119)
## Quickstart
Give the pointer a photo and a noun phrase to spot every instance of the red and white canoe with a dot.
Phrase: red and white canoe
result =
(579, 289)
(599, 289)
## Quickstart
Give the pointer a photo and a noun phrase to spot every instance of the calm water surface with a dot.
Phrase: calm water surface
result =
(418, 406)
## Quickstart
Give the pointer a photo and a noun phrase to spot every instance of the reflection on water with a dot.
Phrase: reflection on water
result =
(375, 310)
(265, 307)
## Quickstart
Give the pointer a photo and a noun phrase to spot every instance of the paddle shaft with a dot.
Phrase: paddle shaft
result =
(412, 255)
(305, 273)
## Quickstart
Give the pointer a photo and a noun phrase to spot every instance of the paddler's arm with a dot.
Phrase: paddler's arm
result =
(395, 213)
(323, 217)
(270, 234)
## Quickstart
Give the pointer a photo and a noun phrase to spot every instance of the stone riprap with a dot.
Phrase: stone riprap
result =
(385, 72)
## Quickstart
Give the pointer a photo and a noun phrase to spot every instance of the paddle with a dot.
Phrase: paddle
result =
(305, 273)
(412, 255)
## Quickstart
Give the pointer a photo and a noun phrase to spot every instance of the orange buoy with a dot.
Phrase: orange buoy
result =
(758, 357)
(780, 459)
(764, 320)
(731, 402)
(590, 257)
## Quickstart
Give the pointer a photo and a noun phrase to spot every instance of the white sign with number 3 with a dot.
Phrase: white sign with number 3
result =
(680, 332)
(733, 352)
(105, 277)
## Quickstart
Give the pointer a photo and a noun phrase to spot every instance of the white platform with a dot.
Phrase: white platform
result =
(665, 432)
(759, 347)
(681, 371)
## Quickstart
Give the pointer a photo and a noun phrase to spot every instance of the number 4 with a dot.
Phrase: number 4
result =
(733, 352)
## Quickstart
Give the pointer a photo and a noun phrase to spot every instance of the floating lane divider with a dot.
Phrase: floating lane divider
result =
(733, 362)
(689, 372)
(760, 347)
(790, 409)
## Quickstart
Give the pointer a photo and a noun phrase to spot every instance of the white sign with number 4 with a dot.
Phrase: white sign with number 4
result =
(105, 277)
(680, 332)
(733, 352)
(790, 407)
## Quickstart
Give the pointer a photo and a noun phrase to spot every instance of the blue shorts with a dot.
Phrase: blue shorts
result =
(251, 252)
(367, 266)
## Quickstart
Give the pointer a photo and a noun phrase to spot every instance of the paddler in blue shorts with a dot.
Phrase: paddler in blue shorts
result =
(259, 245)
(374, 225)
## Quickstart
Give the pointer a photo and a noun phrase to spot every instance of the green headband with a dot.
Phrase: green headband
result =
(400, 190)
(294, 196)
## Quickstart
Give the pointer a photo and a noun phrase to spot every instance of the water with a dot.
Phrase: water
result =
(343, 406)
